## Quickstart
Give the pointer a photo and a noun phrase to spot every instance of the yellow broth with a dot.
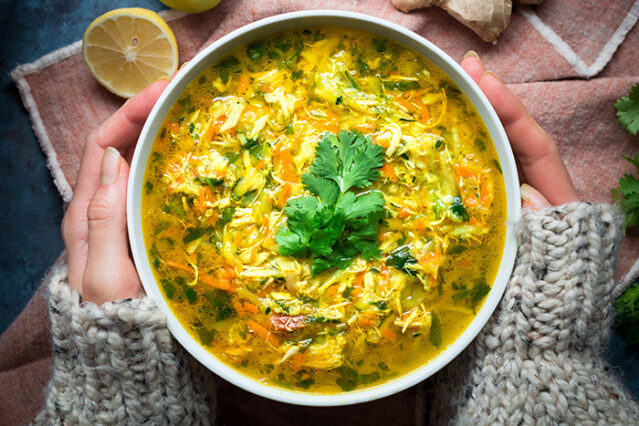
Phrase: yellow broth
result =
(230, 156)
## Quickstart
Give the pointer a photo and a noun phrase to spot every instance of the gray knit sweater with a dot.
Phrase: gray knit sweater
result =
(537, 361)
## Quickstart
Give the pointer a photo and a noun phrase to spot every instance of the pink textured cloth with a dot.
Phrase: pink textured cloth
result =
(543, 56)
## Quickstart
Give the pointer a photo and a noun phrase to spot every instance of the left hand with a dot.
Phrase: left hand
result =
(94, 227)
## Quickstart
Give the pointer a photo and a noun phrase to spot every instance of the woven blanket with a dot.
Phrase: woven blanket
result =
(567, 60)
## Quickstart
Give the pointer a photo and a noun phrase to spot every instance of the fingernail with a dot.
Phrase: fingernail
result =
(471, 54)
(489, 72)
(164, 77)
(110, 166)
(183, 65)
(533, 198)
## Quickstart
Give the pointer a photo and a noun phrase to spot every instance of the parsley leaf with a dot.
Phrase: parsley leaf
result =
(458, 210)
(401, 258)
(627, 307)
(340, 224)
(627, 195)
(628, 110)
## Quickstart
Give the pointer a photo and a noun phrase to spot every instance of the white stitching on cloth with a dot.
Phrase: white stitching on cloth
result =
(566, 51)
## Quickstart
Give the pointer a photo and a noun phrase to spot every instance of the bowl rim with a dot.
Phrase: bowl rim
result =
(260, 29)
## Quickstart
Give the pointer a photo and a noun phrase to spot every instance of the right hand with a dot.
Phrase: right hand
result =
(546, 179)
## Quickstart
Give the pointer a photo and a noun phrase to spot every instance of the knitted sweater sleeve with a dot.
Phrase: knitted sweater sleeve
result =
(538, 360)
(116, 364)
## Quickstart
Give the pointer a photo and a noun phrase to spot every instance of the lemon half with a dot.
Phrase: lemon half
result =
(191, 6)
(128, 49)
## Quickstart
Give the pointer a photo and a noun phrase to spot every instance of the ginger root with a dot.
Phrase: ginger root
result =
(487, 18)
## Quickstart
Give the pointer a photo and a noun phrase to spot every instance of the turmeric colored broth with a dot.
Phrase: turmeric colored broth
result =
(230, 156)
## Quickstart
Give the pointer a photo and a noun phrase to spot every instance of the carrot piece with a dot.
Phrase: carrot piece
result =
(388, 334)
(485, 196)
(263, 332)
(284, 194)
(367, 319)
(266, 225)
(403, 213)
(174, 127)
(403, 103)
(298, 361)
(359, 279)
(238, 239)
(384, 143)
(464, 171)
(260, 164)
(211, 281)
(287, 168)
(332, 290)
(178, 265)
(464, 263)
(471, 201)
(421, 224)
(243, 83)
(227, 272)
(431, 257)
(389, 171)
(249, 307)
(239, 309)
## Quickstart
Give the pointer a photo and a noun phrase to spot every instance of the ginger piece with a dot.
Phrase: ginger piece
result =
(487, 18)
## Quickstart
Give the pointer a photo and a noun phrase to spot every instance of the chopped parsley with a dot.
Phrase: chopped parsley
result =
(627, 195)
(339, 224)
(401, 258)
(628, 110)
(458, 210)
(627, 307)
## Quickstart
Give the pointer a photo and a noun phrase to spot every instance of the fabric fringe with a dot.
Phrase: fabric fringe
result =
(19, 74)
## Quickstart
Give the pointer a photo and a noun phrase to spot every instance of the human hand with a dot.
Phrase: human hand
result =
(546, 179)
(94, 227)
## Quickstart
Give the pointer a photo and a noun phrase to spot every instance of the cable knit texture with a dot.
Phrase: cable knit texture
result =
(118, 364)
(538, 360)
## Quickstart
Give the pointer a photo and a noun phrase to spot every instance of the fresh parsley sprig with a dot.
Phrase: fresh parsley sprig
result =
(339, 224)
(627, 195)
(628, 110)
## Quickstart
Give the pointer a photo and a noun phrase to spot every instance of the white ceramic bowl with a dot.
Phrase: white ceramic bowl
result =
(258, 30)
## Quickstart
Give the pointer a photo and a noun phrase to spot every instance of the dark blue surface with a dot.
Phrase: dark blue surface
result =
(31, 210)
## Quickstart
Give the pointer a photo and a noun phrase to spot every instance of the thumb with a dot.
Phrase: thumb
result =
(109, 273)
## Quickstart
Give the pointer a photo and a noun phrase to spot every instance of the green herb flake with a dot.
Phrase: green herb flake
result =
(169, 289)
(628, 110)
(401, 258)
(458, 210)
(497, 166)
(212, 182)
(348, 378)
(627, 195)
(205, 335)
(435, 330)
(191, 295)
(232, 156)
(627, 320)
(226, 217)
(255, 50)
(352, 80)
(296, 75)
